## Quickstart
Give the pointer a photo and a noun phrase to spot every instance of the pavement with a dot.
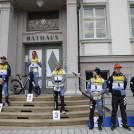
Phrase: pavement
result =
(80, 129)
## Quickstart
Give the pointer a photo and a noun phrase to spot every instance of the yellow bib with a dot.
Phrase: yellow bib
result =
(34, 64)
(3, 69)
(118, 79)
(58, 75)
(34, 60)
(96, 86)
(60, 72)
(98, 81)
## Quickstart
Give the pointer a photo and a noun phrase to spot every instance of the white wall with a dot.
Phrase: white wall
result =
(118, 28)
(88, 49)
(106, 63)
(87, 1)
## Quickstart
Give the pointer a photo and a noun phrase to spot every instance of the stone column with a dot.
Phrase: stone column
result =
(7, 42)
(72, 47)
(7, 45)
(5, 8)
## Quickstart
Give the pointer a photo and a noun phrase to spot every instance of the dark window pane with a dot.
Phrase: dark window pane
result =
(88, 13)
(89, 33)
(100, 24)
(48, 20)
(100, 33)
(133, 32)
(89, 24)
(132, 22)
(99, 12)
(89, 75)
(132, 10)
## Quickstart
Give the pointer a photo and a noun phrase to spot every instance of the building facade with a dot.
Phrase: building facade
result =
(106, 38)
(82, 34)
(48, 29)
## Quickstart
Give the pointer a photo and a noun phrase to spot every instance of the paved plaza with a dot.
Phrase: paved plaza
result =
(63, 130)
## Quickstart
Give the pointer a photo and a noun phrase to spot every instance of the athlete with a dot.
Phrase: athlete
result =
(96, 88)
(33, 65)
(117, 84)
(58, 80)
(5, 72)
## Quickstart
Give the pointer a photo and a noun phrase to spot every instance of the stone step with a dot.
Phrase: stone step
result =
(43, 122)
(47, 103)
(39, 112)
(41, 115)
(45, 98)
(43, 109)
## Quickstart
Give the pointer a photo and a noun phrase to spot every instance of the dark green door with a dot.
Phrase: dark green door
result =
(48, 55)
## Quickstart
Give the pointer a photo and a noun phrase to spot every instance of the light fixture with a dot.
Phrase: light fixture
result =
(40, 3)
(43, 21)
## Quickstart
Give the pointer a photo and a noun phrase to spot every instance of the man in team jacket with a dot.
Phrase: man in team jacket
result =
(117, 84)
(132, 85)
(5, 72)
(96, 87)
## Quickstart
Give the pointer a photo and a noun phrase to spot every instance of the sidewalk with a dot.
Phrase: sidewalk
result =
(62, 130)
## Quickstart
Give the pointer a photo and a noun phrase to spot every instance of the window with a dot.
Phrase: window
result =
(94, 23)
(132, 19)
(104, 75)
(48, 20)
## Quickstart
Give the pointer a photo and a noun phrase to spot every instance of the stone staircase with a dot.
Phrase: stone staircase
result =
(39, 112)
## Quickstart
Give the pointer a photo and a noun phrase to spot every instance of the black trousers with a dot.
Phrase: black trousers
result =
(56, 100)
(30, 82)
(33, 78)
(0, 93)
(119, 100)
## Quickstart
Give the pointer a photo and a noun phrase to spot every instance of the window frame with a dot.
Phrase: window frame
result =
(131, 17)
(50, 29)
(102, 71)
(108, 24)
(94, 18)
